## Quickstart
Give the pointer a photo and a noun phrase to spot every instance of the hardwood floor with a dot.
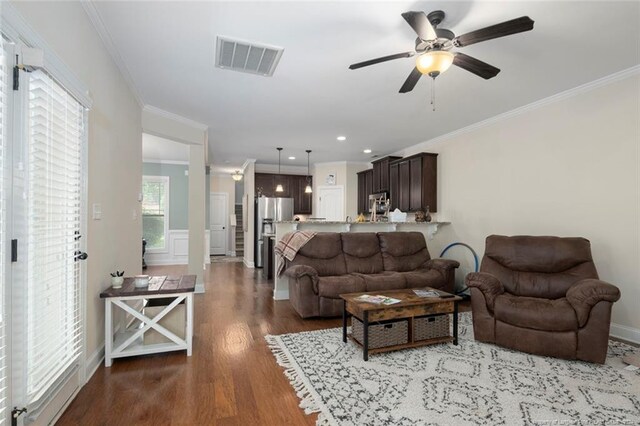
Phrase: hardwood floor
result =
(232, 377)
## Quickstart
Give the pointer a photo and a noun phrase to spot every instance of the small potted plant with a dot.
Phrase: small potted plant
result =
(117, 278)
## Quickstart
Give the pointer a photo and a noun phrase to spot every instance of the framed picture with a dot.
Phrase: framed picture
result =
(331, 178)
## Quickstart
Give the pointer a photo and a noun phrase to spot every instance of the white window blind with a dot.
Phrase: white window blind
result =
(3, 237)
(155, 211)
(56, 127)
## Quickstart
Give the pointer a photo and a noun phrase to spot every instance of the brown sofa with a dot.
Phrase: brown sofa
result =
(542, 295)
(331, 264)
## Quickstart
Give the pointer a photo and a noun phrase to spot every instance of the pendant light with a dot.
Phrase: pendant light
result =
(308, 189)
(237, 176)
(279, 186)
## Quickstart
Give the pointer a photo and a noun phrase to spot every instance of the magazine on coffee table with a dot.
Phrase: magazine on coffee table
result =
(426, 293)
(378, 300)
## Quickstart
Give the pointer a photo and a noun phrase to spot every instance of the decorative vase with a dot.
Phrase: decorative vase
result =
(116, 282)
(427, 217)
(420, 216)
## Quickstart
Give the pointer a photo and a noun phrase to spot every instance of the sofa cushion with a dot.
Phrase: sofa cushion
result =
(323, 253)
(383, 281)
(362, 252)
(403, 251)
(333, 286)
(536, 313)
(424, 278)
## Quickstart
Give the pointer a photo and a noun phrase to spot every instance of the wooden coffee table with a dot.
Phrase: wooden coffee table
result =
(411, 306)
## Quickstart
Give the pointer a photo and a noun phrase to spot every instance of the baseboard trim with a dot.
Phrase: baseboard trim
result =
(166, 262)
(248, 264)
(281, 294)
(624, 332)
(93, 362)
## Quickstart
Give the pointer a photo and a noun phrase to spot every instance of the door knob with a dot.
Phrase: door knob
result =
(80, 255)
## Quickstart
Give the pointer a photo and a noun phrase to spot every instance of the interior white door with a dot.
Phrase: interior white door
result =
(218, 214)
(330, 201)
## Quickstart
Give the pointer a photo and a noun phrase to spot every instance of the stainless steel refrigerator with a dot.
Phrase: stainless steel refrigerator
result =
(267, 211)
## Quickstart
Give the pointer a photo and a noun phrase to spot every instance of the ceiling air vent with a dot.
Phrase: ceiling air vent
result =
(244, 56)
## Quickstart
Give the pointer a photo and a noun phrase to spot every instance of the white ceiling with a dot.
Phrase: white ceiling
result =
(168, 49)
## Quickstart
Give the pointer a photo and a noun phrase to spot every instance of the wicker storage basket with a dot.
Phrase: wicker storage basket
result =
(383, 333)
(430, 327)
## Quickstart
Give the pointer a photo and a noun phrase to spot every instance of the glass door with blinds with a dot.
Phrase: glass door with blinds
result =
(4, 241)
(46, 216)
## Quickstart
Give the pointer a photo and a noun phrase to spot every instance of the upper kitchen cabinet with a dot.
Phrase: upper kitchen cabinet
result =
(380, 175)
(293, 186)
(413, 183)
(365, 188)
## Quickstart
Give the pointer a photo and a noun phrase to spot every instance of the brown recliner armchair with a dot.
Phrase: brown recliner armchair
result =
(542, 295)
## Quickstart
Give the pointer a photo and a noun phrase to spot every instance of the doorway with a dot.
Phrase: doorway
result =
(219, 206)
(330, 202)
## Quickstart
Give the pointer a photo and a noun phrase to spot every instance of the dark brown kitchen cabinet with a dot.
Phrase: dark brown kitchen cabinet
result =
(413, 183)
(293, 187)
(404, 190)
(264, 184)
(365, 188)
(380, 177)
(301, 199)
(394, 185)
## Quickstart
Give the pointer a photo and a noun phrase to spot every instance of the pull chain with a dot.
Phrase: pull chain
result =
(433, 93)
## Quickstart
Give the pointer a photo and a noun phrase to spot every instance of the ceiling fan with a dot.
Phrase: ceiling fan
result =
(433, 47)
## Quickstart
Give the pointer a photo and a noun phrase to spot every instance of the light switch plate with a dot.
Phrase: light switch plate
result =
(96, 211)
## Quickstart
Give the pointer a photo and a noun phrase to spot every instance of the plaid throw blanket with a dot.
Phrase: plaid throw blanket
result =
(288, 246)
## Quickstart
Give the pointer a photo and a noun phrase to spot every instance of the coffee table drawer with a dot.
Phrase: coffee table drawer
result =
(383, 333)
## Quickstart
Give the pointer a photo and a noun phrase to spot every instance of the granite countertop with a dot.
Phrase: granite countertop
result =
(328, 222)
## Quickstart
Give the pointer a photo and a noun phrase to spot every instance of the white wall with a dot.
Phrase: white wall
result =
(114, 154)
(566, 168)
(345, 176)
(249, 194)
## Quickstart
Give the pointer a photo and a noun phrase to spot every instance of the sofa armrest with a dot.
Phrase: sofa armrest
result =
(489, 285)
(584, 294)
(299, 271)
(443, 264)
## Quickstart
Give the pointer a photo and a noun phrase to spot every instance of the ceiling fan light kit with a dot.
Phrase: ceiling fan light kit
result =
(434, 63)
(433, 47)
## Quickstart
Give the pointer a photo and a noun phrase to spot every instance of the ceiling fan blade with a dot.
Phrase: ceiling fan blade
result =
(475, 66)
(514, 26)
(420, 24)
(382, 59)
(411, 81)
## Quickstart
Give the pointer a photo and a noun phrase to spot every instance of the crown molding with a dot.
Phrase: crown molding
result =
(175, 117)
(172, 162)
(97, 22)
(246, 163)
(575, 91)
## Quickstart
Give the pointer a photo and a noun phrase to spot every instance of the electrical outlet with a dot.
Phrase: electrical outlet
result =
(186, 172)
(134, 214)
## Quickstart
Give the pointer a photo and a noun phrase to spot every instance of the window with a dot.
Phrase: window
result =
(155, 211)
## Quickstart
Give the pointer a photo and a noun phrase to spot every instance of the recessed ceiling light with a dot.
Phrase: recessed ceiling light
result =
(292, 158)
(342, 138)
(367, 151)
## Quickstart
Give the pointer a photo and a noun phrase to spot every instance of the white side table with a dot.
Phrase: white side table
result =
(129, 341)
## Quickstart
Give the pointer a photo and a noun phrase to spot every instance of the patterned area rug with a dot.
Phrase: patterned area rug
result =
(469, 384)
